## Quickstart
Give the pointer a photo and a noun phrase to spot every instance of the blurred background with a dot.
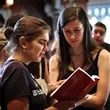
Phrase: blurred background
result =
(48, 10)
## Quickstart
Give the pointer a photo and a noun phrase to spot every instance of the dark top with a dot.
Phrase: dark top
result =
(106, 46)
(21, 83)
(93, 70)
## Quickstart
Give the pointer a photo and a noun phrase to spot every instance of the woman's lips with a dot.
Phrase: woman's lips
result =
(73, 41)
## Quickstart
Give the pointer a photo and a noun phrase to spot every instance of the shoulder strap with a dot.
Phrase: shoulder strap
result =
(96, 59)
(98, 54)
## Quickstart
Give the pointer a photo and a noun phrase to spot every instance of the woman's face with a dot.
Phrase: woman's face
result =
(73, 33)
(36, 49)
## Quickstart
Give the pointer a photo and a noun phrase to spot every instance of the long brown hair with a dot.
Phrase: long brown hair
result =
(66, 16)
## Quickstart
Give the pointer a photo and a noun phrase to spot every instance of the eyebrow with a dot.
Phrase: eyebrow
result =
(43, 40)
(74, 28)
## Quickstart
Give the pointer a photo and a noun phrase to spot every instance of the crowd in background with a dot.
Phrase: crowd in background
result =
(56, 62)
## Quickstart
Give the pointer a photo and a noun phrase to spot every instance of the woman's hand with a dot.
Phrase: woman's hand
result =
(54, 86)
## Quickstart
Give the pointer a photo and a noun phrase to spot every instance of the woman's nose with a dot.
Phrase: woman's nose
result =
(46, 48)
(72, 36)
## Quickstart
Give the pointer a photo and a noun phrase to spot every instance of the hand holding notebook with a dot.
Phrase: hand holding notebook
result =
(76, 86)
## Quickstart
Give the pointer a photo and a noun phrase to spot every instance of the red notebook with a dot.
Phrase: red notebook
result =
(76, 86)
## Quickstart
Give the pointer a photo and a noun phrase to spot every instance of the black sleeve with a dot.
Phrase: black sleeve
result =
(18, 85)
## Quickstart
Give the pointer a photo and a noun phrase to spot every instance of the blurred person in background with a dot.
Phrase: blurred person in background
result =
(3, 43)
(10, 22)
(2, 20)
(99, 33)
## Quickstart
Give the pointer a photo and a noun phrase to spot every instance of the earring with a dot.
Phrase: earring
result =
(24, 49)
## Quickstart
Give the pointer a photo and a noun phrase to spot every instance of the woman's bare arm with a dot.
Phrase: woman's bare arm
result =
(21, 103)
(99, 99)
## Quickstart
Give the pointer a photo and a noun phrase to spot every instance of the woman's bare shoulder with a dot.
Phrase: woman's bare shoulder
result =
(104, 54)
(104, 58)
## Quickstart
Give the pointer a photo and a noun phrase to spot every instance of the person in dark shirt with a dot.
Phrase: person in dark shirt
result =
(27, 42)
(78, 49)
(99, 33)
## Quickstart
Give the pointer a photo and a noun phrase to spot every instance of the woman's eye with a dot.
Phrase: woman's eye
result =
(74, 31)
(67, 31)
(77, 30)
(43, 43)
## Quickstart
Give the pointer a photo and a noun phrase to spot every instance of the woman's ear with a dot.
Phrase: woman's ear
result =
(23, 42)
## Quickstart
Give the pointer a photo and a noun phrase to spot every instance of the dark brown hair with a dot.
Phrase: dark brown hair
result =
(100, 24)
(66, 16)
(11, 21)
